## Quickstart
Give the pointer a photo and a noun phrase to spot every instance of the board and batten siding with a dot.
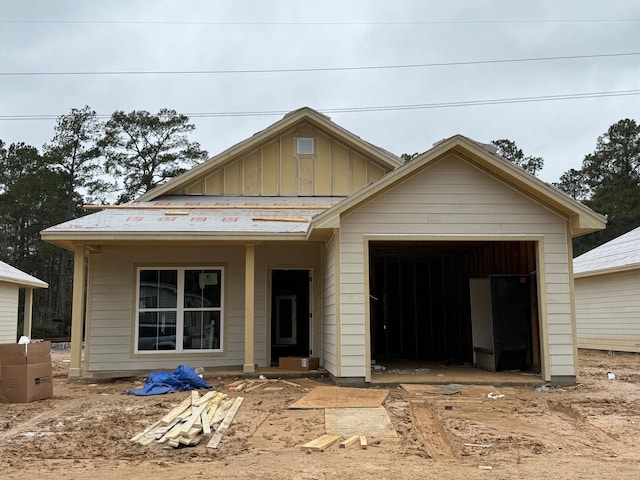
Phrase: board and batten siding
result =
(275, 168)
(111, 322)
(330, 307)
(608, 311)
(452, 198)
(8, 312)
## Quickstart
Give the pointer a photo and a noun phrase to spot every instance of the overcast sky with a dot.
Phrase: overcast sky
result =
(189, 35)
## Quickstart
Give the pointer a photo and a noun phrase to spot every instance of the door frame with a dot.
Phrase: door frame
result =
(311, 319)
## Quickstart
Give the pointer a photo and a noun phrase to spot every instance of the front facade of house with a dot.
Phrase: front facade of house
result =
(304, 240)
(607, 287)
(12, 281)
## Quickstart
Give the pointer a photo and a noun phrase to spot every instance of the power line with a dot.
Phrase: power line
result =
(317, 69)
(379, 108)
(319, 23)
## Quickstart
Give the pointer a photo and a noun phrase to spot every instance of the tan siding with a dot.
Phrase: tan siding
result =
(358, 172)
(374, 172)
(270, 168)
(112, 315)
(195, 189)
(305, 176)
(340, 169)
(214, 183)
(275, 168)
(452, 198)
(252, 174)
(608, 311)
(233, 178)
(329, 319)
(323, 166)
(8, 313)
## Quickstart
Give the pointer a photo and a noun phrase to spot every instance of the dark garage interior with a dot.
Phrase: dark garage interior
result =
(420, 305)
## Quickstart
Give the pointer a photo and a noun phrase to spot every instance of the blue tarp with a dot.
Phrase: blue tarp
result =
(183, 378)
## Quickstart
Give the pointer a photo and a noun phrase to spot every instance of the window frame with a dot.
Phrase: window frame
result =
(179, 310)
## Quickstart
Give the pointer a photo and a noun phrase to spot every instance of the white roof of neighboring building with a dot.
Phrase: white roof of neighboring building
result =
(11, 274)
(621, 253)
(199, 215)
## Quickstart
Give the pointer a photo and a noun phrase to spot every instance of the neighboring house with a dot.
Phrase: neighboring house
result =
(11, 281)
(607, 283)
(306, 240)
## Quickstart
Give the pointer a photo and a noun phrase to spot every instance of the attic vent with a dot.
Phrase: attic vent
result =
(304, 146)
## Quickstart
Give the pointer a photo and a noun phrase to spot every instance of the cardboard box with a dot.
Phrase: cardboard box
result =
(25, 372)
(299, 363)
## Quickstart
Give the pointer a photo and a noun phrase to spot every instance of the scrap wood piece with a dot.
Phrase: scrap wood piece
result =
(216, 437)
(138, 436)
(238, 388)
(204, 421)
(197, 414)
(349, 441)
(213, 406)
(363, 442)
(221, 411)
(293, 384)
(321, 443)
(235, 384)
(205, 398)
(173, 413)
(257, 385)
(280, 219)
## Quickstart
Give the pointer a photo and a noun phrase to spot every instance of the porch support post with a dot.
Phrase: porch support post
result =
(28, 312)
(249, 299)
(77, 313)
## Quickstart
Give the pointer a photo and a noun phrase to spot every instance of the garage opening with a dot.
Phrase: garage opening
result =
(471, 303)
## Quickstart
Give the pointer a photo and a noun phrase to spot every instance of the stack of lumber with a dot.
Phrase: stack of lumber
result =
(193, 419)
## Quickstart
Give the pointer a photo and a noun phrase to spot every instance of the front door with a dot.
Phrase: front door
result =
(290, 313)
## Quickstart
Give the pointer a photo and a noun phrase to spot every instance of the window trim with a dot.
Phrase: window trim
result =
(179, 310)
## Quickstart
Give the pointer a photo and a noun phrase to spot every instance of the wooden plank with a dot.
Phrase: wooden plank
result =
(221, 412)
(137, 437)
(212, 406)
(321, 443)
(349, 441)
(363, 442)
(182, 406)
(273, 389)
(171, 434)
(256, 386)
(194, 418)
(206, 426)
(205, 398)
(290, 383)
(216, 437)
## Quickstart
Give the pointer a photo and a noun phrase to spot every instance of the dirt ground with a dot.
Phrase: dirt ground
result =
(591, 430)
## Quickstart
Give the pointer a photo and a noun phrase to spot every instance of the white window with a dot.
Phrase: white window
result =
(304, 146)
(179, 309)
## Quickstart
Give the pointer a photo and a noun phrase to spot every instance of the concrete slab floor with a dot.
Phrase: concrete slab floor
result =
(436, 373)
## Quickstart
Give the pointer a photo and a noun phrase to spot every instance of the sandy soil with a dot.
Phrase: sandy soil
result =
(591, 430)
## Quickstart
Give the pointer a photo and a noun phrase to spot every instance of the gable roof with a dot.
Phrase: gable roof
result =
(289, 120)
(582, 219)
(11, 274)
(620, 254)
